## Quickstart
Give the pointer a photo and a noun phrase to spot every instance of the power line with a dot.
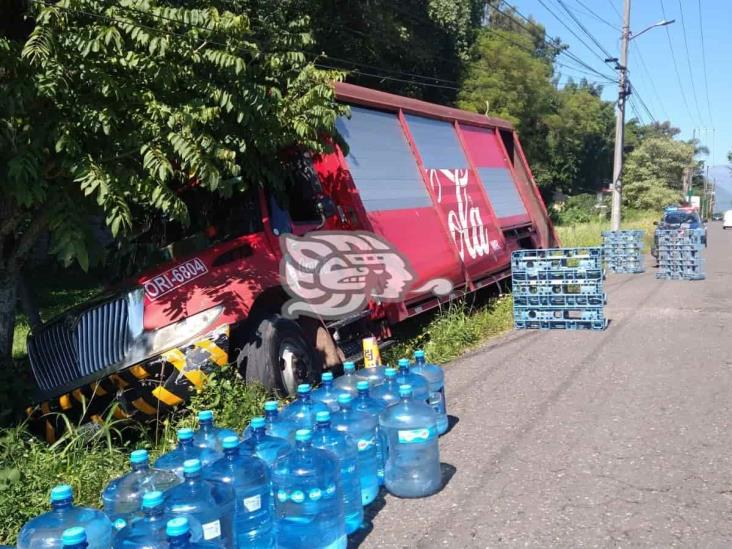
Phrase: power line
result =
(591, 36)
(673, 57)
(386, 77)
(591, 13)
(688, 62)
(650, 79)
(704, 63)
(615, 9)
(643, 103)
(548, 44)
(551, 12)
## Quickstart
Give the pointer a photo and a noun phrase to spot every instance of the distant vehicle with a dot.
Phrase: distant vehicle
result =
(717, 216)
(727, 222)
(677, 217)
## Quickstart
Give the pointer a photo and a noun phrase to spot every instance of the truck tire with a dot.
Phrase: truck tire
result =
(277, 355)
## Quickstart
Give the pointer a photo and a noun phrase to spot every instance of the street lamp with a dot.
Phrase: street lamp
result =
(623, 93)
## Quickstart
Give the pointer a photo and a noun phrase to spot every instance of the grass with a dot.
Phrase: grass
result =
(590, 234)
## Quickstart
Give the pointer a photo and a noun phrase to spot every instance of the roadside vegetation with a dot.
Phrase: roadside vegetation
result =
(589, 233)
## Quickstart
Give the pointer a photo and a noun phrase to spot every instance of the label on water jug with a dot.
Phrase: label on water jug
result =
(366, 443)
(416, 436)
(211, 530)
(252, 503)
(297, 496)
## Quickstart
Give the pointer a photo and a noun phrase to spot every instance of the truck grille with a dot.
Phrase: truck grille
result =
(69, 348)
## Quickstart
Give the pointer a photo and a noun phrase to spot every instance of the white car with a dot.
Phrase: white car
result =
(727, 221)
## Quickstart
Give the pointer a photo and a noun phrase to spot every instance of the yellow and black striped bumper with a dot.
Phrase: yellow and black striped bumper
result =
(144, 391)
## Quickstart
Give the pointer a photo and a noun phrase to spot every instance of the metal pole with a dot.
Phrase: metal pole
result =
(620, 123)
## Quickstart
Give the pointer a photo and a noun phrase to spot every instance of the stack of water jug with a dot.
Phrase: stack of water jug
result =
(299, 478)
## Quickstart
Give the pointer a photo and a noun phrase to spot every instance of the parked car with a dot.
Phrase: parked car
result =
(675, 217)
(727, 221)
(450, 190)
(717, 216)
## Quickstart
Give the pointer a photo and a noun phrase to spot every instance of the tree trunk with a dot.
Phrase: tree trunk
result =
(28, 303)
(8, 301)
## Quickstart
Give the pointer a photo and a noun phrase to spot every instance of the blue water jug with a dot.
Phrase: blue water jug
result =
(275, 425)
(301, 411)
(436, 378)
(179, 536)
(147, 531)
(46, 530)
(308, 498)
(266, 447)
(373, 374)
(327, 393)
(210, 504)
(420, 385)
(74, 538)
(208, 435)
(174, 460)
(249, 477)
(362, 427)
(388, 392)
(365, 403)
(347, 382)
(345, 449)
(123, 496)
(413, 462)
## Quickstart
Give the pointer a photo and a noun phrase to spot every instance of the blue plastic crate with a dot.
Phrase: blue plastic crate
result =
(553, 314)
(561, 325)
(593, 288)
(559, 300)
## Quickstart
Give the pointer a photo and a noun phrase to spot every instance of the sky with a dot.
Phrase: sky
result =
(652, 70)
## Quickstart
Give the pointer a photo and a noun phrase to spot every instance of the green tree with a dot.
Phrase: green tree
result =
(653, 172)
(112, 108)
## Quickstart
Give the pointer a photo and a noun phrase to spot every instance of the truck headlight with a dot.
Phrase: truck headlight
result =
(174, 335)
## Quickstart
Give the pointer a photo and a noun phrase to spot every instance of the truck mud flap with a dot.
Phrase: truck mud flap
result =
(143, 392)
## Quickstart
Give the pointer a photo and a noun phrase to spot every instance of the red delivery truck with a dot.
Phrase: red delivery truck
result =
(449, 191)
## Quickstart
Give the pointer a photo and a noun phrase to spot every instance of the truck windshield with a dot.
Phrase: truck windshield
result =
(677, 218)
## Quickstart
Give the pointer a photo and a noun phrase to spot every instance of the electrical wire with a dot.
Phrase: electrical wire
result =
(688, 63)
(591, 13)
(642, 102)
(591, 36)
(673, 57)
(704, 63)
(615, 9)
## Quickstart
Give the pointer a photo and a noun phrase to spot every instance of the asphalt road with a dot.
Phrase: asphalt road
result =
(618, 438)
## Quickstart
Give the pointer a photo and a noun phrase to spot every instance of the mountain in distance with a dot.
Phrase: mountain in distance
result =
(722, 176)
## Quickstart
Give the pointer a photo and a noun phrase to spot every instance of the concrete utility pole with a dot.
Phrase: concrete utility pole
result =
(623, 93)
(620, 122)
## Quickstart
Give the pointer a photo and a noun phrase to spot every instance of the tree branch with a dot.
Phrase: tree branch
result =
(29, 238)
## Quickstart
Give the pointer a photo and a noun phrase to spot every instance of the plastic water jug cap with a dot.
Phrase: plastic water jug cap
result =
(177, 527)
(405, 390)
(303, 388)
(152, 499)
(191, 466)
(322, 417)
(185, 434)
(73, 536)
(344, 398)
(61, 492)
(303, 435)
(230, 442)
(349, 366)
(139, 456)
(362, 385)
(390, 372)
(205, 415)
(403, 362)
(270, 406)
(258, 422)
(327, 376)
(419, 353)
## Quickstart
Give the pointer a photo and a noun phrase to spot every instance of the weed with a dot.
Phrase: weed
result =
(590, 233)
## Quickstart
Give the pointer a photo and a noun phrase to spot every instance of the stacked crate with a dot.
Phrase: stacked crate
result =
(561, 288)
(623, 251)
(680, 254)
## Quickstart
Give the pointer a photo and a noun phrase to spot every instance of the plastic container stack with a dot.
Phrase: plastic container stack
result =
(558, 288)
(623, 251)
(264, 492)
(680, 254)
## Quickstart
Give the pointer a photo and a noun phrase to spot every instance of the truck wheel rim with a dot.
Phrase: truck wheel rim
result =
(294, 366)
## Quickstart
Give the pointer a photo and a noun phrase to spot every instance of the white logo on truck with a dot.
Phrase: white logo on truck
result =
(330, 274)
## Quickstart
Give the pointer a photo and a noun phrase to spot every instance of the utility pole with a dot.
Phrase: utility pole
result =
(620, 122)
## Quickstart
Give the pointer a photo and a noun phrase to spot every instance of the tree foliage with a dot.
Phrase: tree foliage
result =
(116, 107)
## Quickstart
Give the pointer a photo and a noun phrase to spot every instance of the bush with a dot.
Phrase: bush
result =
(580, 208)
